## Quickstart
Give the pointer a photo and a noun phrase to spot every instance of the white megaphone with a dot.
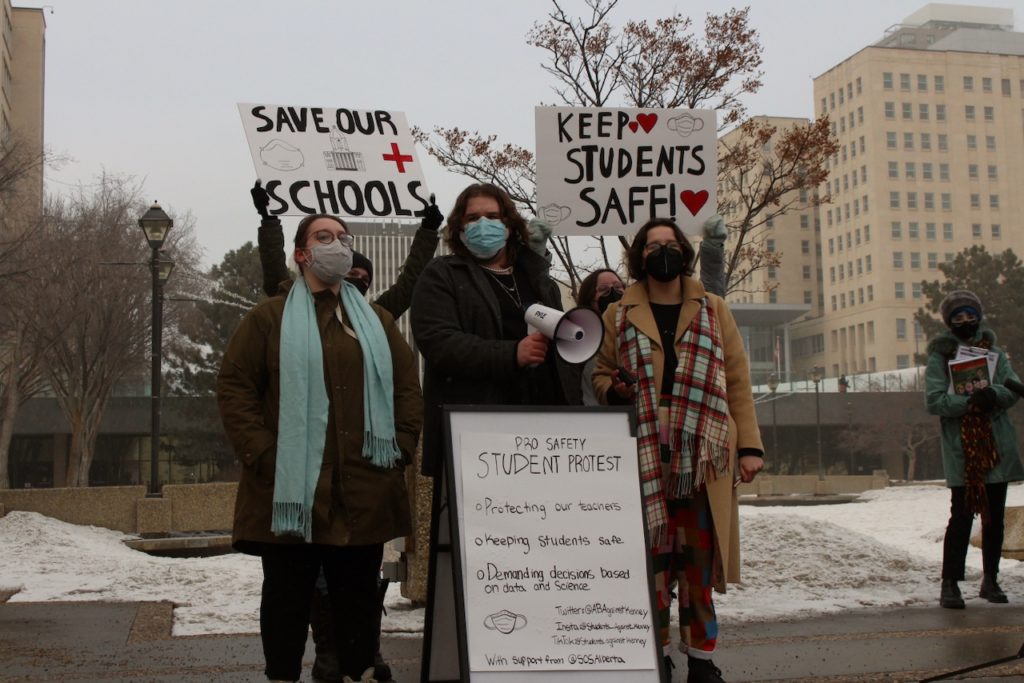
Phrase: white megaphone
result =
(577, 333)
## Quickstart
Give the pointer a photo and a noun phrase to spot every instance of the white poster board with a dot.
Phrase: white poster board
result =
(553, 575)
(346, 162)
(607, 171)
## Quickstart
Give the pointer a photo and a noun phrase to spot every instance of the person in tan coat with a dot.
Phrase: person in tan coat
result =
(674, 351)
(320, 400)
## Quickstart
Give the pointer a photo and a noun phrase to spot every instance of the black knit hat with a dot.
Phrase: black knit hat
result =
(360, 261)
(956, 301)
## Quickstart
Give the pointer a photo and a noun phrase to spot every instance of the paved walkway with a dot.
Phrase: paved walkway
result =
(117, 643)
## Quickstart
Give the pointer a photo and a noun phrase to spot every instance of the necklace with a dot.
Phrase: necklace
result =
(507, 270)
(513, 291)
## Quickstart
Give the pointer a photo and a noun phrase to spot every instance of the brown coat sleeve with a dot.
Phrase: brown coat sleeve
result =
(242, 384)
(737, 378)
(607, 356)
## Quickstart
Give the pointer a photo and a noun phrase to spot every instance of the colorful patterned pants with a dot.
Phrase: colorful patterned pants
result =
(687, 559)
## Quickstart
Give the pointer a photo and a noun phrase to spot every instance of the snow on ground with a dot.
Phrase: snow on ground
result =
(884, 550)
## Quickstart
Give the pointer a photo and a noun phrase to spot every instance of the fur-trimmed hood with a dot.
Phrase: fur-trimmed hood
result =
(945, 343)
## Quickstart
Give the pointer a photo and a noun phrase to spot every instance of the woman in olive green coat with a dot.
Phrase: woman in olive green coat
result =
(979, 446)
(320, 399)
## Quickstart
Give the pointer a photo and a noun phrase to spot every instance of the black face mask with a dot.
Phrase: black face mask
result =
(664, 264)
(964, 331)
(608, 298)
(362, 285)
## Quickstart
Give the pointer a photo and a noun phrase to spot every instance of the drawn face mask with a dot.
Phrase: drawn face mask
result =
(330, 262)
(484, 237)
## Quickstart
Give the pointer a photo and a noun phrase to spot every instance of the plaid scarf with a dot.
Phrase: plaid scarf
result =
(980, 456)
(698, 414)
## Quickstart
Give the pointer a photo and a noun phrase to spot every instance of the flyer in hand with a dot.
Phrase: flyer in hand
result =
(969, 374)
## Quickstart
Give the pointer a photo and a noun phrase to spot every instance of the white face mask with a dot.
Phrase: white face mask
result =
(330, 262)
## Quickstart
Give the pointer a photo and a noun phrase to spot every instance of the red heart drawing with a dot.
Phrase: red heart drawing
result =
(633, 126)
(694, 201)
(647, 121)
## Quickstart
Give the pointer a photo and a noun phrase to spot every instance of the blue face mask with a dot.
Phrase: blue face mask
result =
(484, 237)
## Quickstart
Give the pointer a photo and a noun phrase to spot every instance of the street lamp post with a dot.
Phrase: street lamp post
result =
(818, 374)
(155, 223)
(773, 384)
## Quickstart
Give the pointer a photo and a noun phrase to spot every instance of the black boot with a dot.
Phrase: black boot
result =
(950, 596)
(702, 671)
(991, 591)
(669, 665)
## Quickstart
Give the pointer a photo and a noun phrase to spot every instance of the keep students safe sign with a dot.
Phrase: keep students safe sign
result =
(606, 171)
(348, 162)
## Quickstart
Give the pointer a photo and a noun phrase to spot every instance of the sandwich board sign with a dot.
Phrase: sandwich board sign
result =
(359, 163)
(544, 574)
(607, 171)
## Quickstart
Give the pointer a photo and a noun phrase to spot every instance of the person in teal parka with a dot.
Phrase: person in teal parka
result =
(979, 446)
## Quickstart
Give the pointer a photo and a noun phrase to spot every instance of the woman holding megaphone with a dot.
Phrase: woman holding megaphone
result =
(468, 318)
(674, 351)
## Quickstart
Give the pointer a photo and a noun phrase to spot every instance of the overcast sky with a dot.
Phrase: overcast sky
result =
(149, 87)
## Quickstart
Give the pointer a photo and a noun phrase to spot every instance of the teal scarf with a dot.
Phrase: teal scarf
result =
(304, 404)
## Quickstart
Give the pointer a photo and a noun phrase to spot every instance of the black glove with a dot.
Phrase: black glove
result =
(260, 199)
(983, 399)
(432, 218)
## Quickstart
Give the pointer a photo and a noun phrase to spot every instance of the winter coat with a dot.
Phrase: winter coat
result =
(951, 407)
(743, 429)
(456, 321)
(395, 299)
(355, 502)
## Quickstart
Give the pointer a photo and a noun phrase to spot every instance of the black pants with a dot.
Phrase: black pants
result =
(289, 574)
(958, 532)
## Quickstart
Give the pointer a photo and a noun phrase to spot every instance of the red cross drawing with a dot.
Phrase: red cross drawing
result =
(397, 157)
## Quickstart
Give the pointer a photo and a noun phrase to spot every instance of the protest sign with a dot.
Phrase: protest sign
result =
(552, 571)
(347, 162)
(606, 171)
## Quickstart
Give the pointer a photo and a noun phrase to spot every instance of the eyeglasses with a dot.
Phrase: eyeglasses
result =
(671, 244)
(604, 289)
(328, 236)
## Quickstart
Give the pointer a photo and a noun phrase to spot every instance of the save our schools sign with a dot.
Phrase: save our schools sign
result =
(606, 171)
(347, 162)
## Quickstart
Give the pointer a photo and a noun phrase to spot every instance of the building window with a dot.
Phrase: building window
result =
(867, 263)
(929, 200)
(943, 142)
(922, 112)
(860, 266)
(940, 112)
(899, 291)
(894, 169)
(908, 141)
(912, 230)
(912, 200)
(1005, 83)
(990, 142)
(986, 84)
(933, 260)
(773, 297)
(997, 231)
(867, 233)
(890, 140)
(915, 260)
(771, 273)
(975, 200)
(890, 110)
(805, 222)
(972, 142)
(929, 229)
(990, 113)
(904, 81)
(968, 82)
(993, 172)
(910, 170)
(969, 112)
(976, 230)
(907, 111)
(807, 296)
(842, 300)
(871, 297)
(807, 272)
(887, 84)
(831, 244)
(947, 231)
(860, 115)
(922, 83)
(940, 84)
(833, 302)
(926, 141)
(897, 259)
(915, 290)
(993, 201)
(901, 328)
(805, 246)
(947, 201)
(770, 246)
(943, 171)
(894, 200)
(972, 171)
(832, 274)
(926, 170)
(902, 361)
(858, 85)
